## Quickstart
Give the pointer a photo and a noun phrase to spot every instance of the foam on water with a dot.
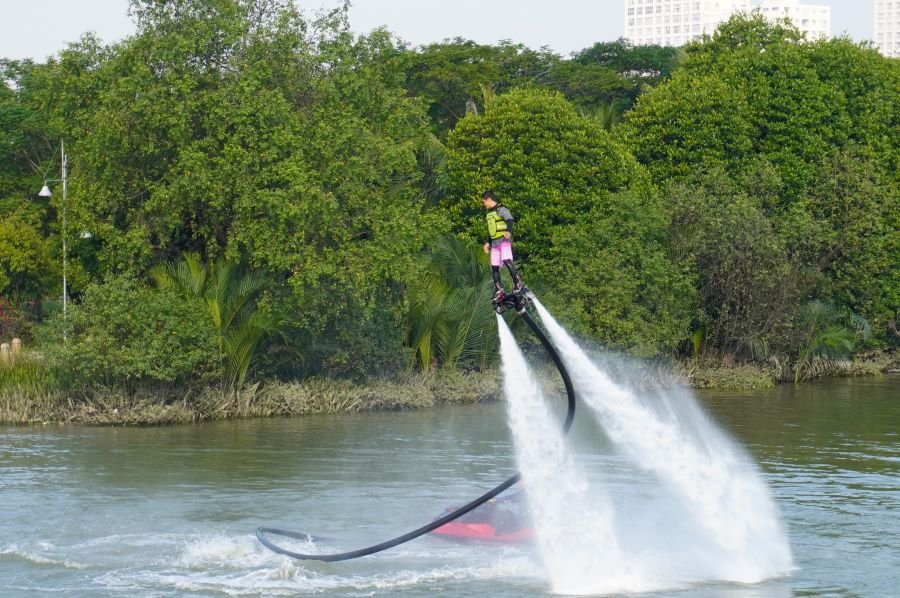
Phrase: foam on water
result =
(43, 553)
(738, 533)
(240, 566)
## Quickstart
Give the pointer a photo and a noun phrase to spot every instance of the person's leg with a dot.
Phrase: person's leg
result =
(517, 280)
(507, 257)
(495, 272)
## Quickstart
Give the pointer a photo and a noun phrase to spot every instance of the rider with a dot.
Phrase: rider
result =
(500, 222)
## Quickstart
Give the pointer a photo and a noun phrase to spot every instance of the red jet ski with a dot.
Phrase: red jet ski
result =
(499, 521)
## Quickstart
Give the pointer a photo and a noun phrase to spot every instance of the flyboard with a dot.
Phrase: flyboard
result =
(519, 302)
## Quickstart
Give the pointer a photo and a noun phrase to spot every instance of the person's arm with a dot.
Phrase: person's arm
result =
(507, 217)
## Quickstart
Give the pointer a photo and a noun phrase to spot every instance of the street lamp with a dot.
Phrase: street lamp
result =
(45, 192)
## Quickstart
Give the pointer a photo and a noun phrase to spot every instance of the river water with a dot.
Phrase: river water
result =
(171, 511)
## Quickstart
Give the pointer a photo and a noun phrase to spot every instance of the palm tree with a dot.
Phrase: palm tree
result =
(608, 115)
(231, 296)
(450, 321)
(829, 333)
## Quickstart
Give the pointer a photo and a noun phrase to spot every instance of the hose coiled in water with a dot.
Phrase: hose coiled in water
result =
(262, 533)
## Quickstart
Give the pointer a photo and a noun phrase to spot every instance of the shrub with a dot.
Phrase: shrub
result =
(124, 334)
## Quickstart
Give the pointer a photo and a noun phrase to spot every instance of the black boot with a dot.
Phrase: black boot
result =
(498, 285)
(517, 280)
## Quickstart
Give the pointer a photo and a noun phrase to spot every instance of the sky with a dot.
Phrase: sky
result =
(37, 29)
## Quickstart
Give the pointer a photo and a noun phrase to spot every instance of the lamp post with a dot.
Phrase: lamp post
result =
(45, 192)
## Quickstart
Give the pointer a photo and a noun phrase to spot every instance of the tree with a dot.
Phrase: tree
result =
(644, 64)
(238, 129)
(27, 270)
(231, 296)
(590, 85)
(758, 89)
(450, 325)
(823, 116)
(747, 284)
(637, 69)
(126, 335)
(22, 136)
(589, 222)
(546, 162)
(845, 229)
(613, 278)
(448, 75)
(825, 332)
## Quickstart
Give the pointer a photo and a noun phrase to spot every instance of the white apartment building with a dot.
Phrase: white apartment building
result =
(814, 20)
(887, 27)
(676, 22)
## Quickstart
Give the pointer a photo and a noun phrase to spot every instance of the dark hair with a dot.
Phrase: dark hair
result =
(488, 194)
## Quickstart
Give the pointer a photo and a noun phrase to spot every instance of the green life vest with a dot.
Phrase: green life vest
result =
(496, 225)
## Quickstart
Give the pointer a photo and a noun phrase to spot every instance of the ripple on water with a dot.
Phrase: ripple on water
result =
(239, 566)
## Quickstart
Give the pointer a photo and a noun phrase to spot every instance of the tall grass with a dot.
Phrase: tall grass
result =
(39, 397)
(31, 391)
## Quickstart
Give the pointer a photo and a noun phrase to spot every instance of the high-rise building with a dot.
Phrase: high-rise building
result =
(887, 27)
(812, 19)
(676, 22)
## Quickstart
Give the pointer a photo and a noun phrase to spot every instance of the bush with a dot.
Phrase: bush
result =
(14, 321)
(124, 334)
(711, 375)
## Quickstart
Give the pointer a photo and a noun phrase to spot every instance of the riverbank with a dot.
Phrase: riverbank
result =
(27, 400)
(24, 405)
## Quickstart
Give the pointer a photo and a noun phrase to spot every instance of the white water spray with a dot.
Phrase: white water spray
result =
(573, 525)
(698, 464)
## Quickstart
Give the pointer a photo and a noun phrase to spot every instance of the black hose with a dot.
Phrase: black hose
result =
(262, 532)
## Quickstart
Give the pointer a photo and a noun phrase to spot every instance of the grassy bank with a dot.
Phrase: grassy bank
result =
(28, 404)
(31, 394)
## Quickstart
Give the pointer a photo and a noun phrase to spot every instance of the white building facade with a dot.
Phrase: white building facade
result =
(676, 22)
(812, 19)
(887, 27)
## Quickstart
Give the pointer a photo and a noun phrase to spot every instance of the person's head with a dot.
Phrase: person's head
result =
(488, 199)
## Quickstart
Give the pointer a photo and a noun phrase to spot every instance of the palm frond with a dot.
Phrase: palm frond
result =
(230, 295)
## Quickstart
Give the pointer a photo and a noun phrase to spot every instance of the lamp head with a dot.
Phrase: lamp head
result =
(45, 192)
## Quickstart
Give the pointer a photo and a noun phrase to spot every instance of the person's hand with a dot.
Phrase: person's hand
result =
(507, 235)
(487, 247)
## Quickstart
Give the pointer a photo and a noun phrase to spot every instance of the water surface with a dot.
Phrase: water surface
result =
(171, 511)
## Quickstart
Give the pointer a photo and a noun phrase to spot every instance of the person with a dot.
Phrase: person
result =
(499, 244)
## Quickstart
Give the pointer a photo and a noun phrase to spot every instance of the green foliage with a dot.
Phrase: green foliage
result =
(239, 129)
(125, 335)
(588, 222)
(845, 229)
(613, 278)
(590, 85)
(241, 132)
(450, 75)
(29, 376)
(825, 332)
(547, 163)
(822, 116)
(867, 90)
(231, 296)
(450, 325)
(22, 131)
(15, 319)
(26, 268)
(756, 89)
(747, 283)
(637, 69)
